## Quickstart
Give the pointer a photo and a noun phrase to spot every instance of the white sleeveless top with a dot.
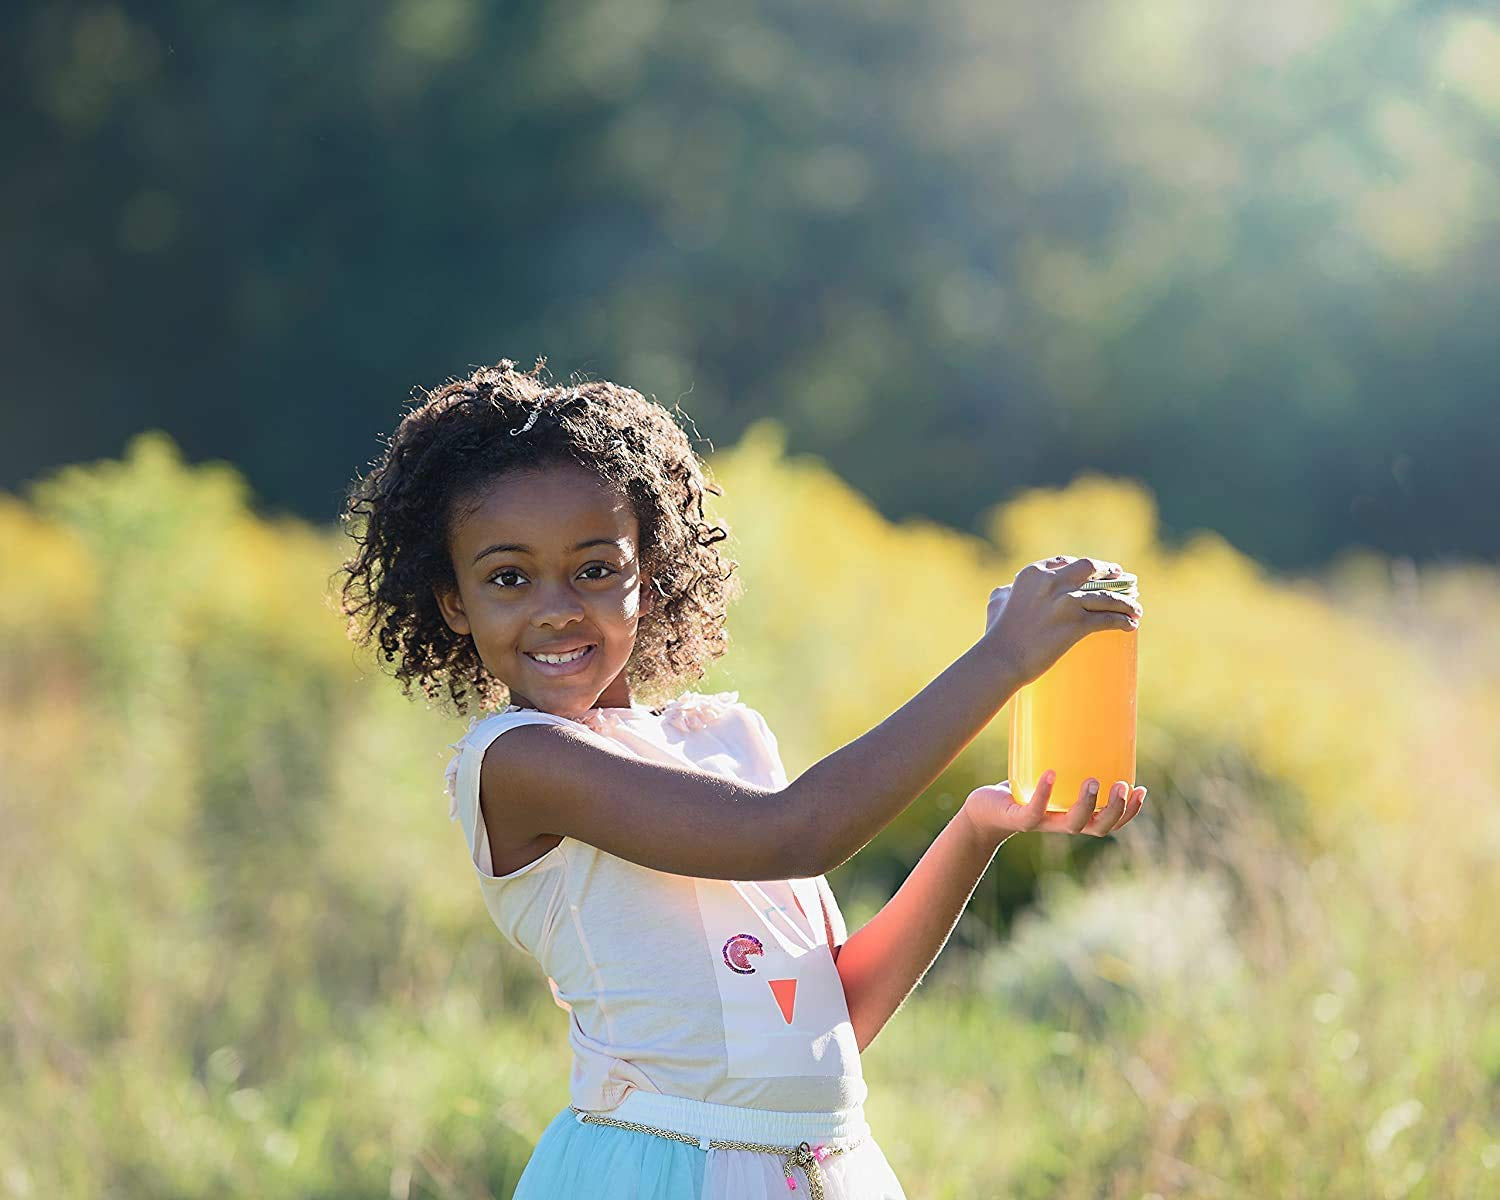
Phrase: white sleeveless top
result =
(710, 989)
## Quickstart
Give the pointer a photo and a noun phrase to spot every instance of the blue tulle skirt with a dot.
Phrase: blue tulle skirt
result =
(574, 1161)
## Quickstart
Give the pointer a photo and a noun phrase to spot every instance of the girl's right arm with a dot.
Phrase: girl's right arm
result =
(547, 779)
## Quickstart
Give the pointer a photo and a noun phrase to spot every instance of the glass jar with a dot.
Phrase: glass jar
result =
(1078, 718)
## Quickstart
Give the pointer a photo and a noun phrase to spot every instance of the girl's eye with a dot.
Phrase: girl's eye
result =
(505, 572)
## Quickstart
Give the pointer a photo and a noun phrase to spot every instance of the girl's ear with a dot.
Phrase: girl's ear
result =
(648, 593)
(451, 605)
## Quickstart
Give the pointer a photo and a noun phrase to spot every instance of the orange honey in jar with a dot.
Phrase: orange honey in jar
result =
(1078, 718)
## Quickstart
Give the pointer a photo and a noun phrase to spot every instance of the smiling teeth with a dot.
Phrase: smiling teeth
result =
(562, 658)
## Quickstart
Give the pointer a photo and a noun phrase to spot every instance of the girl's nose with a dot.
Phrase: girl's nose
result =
(557, 606)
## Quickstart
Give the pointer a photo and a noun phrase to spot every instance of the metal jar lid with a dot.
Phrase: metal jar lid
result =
(1124, 583)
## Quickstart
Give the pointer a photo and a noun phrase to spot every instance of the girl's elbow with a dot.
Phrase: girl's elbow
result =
(808, 850)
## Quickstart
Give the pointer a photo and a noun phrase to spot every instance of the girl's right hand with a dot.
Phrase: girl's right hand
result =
(1035, 620)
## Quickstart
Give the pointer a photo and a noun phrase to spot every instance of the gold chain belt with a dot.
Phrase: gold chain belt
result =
(802, 1155)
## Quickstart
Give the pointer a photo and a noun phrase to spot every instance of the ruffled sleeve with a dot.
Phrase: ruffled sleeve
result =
(733, 729)
(693, 711)
(450, 775)
(461, 779)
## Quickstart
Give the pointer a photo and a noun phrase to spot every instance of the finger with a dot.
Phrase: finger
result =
(1082, 811)
(1041, 795)
(1108, 818)
(1099, 610)
(1081, 570)
(1093, 620)
(1109, 602)
(1132, 807)
(1029, 815)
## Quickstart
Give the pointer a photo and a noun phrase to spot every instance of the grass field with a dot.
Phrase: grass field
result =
(244, 956)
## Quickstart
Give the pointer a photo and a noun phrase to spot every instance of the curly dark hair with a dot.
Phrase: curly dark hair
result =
(459, 438)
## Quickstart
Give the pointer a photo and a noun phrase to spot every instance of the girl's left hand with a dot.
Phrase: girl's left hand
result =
(994, 813)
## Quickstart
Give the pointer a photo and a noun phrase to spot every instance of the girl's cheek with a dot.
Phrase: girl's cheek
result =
(630, 598)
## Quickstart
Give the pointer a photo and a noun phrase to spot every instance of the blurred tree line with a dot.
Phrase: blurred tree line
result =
(1246, 254)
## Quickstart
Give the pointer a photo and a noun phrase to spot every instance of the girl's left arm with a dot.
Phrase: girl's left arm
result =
(884, 961)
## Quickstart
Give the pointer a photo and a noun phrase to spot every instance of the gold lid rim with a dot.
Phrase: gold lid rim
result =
(1123, 582)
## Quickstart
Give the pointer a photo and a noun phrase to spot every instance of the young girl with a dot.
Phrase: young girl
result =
(546, 550)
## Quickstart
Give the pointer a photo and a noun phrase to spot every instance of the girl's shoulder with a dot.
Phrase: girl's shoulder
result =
(728, 718)
(723, 712)
(735, 725)
(688, 713)
(483, 729)
(698, 710)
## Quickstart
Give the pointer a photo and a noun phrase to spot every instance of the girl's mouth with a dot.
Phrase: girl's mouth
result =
(571, 667)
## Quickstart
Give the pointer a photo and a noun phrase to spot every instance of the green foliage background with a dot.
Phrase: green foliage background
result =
(1246, 253)
(243, 952)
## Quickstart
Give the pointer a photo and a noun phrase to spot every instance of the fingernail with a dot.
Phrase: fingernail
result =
(1118, 791)
(1093, 787)
(1143, 794)
(1049, 776)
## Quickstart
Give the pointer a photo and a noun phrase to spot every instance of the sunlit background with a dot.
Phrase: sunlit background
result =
(1208, 289)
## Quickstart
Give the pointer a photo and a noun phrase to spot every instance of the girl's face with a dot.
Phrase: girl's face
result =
(546, 563)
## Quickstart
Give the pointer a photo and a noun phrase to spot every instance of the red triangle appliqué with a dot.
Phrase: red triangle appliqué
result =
(785, 991)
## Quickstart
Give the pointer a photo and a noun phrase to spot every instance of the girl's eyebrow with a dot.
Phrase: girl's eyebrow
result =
(503, 547)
